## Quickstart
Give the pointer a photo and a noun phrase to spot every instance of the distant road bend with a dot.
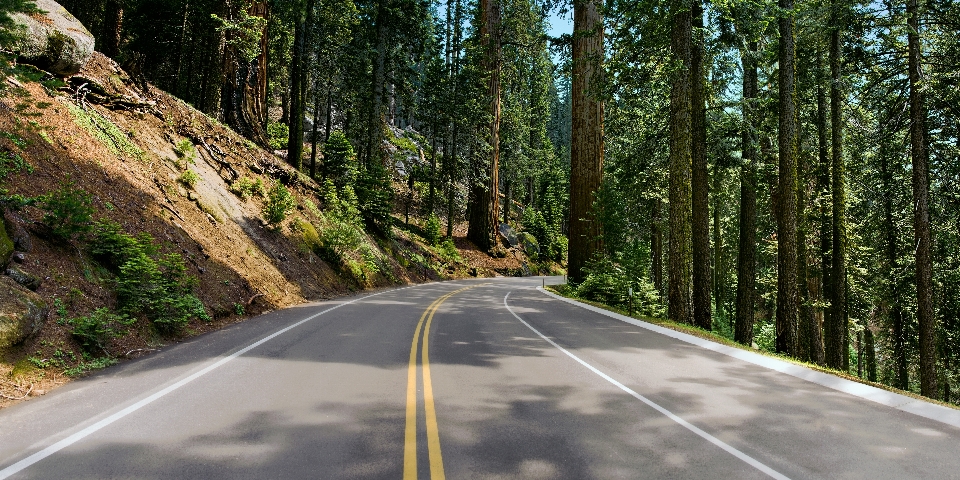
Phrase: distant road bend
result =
(488, 379)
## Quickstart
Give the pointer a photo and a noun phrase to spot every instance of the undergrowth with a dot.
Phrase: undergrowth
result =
(147, 281)
(104, 130)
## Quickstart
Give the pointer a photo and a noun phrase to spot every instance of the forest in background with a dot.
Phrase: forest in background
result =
(784, 174)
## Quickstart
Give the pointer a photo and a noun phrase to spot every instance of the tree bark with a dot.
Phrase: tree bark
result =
(787, 292)
(870, 354)
(719, 260)
(902, 379)
(244, 96)
(297, 102)
(747, 247)
(484, 198)
(680, 294)
(377, 120)
(826, 216)
(702, 316)
(112, 29)
(805, 341)
(921, 209)
(586, 148)
(656, 244)
(837, 336)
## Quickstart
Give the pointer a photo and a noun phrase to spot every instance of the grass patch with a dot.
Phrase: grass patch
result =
(104, 130)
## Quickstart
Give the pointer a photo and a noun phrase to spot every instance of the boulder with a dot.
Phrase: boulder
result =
(22, 312)
(18, 232)
(508, 234)
(54, 39)
(23, 278)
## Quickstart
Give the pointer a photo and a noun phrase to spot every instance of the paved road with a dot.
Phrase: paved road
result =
(480, 379)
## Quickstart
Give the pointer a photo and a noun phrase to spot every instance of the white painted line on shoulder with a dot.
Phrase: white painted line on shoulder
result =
(921, 408)
(74, 438)
(689, 426)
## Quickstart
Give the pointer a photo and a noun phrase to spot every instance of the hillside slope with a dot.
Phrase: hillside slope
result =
(129, 145)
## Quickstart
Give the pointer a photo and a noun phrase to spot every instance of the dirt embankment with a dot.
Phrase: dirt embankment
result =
(128, 145)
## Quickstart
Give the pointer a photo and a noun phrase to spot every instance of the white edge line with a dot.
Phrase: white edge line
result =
(689, 426)
(904, 403)
(74, 438)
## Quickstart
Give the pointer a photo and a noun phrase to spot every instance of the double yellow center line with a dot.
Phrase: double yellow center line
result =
(433, 437)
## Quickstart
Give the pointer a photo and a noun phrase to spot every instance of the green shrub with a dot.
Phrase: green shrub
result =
(12, 163)
(765, 336)
(431, 231)
(189, 178)
(69, 211)
(147, 282)
(607, 282)
(186, 151)
(279, 203)
(557, 249)
(375, 198)
(246, 188)
(278, 134)
(448, 251)
(95, 331)
(339, 161)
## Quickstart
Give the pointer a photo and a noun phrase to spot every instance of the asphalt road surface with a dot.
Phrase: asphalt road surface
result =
(483, 379)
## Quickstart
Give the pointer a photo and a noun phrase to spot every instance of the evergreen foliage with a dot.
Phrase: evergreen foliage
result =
(148, 282)
(69, 211)
(280, 202)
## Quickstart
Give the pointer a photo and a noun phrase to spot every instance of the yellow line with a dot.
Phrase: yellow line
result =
(433, 436)
(410, 441)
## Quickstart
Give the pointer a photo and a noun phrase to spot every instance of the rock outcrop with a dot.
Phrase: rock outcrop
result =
(22, 312)
(55, 40)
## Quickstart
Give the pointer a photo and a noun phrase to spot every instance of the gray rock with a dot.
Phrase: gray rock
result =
(18, 232)
(508, 234)
(23, 278)
(19, 257)
(55, 40)
(22, 313)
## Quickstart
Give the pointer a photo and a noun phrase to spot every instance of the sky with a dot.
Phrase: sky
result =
(560, 24)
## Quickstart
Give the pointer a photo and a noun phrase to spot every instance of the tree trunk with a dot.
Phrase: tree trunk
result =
(902, 379)
(484, 198)
(586, 148)
(826, 219)
(787, 294)
(656, 245)
(244, 95)
(702, 316)
(805, 341)
(870, 354)
(112, 29)
(377, 119)
(837, 338)
(921, 209)
(507, 199)
(680, 300)
(747, 247)
(313, 133)
(297, 74)
(719, 261)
